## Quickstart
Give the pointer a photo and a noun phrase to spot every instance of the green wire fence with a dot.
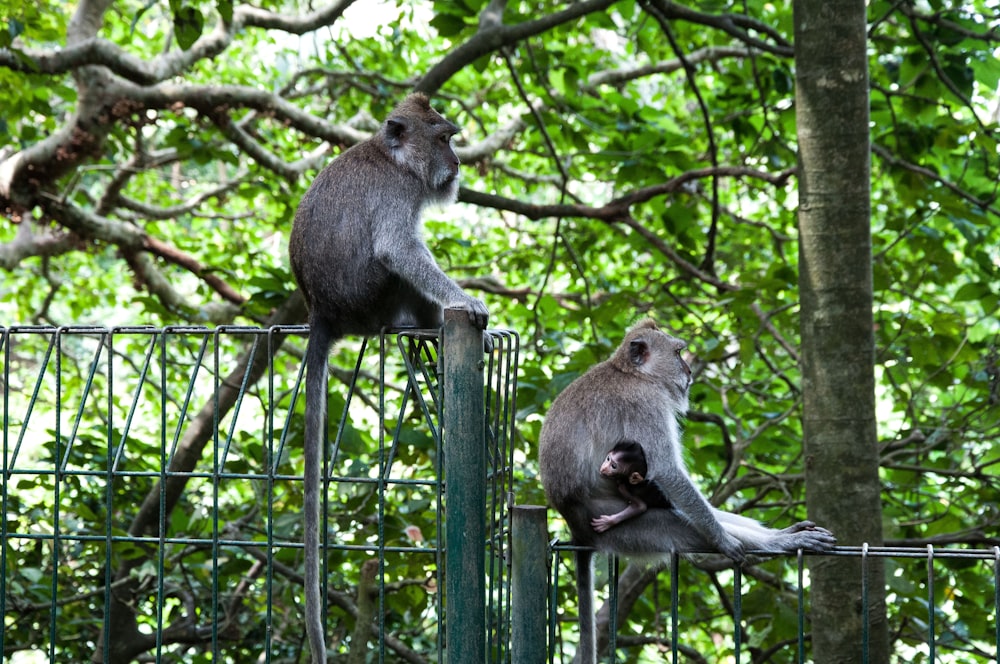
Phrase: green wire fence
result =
(150, 511)
(151, 495)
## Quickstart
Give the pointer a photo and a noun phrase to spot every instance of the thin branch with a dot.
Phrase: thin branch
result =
(893, 160)
(134, 242)
(27, 244)
(765, 319)
(187, 207)
(216, 101)
(738, 26)
(938, 69)
(492, 38)
(152, 280)
(176, 257)
(706, 54)
(250, 16)
(708, 263)
(617, 209)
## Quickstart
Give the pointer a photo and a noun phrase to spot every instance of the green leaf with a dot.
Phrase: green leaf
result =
(225, 9)
(188, 24)
(448, 25)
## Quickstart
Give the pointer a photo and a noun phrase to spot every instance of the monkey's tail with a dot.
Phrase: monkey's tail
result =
(317, 353)
(587, 650)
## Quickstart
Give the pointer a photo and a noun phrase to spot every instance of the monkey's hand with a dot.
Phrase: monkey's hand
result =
(479, 315)
(603, 522)
(732, 548)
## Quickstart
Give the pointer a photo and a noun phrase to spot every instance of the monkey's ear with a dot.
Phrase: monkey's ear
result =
(638, 352)
(646, 324)
(395, 130)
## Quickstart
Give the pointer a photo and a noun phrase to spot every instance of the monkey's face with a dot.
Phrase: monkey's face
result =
(446, 175)
(660, 357)
(441, 162)
(685, 368)
(419, 139)
(610, 466)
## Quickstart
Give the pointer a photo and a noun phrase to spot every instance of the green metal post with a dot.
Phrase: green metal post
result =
(464, 442)
(529, 584)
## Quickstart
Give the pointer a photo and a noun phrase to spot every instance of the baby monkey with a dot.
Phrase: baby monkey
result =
(626, 464)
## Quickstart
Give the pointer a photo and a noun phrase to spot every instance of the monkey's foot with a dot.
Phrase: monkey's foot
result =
(808, 536)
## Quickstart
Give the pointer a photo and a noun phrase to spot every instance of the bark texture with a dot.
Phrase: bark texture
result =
(838, 345)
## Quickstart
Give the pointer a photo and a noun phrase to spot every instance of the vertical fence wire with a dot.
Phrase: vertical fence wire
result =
(737, 613)
(108, 492)
(217, 466)
(161, 530)
(383, 471)
(56, 499)
(675, 561)
(865, 608)
(931, 609)
(613, 578)
(800, 606)
(996, 603)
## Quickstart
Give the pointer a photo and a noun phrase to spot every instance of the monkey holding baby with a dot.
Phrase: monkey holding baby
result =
(359, 258)
(638, 395)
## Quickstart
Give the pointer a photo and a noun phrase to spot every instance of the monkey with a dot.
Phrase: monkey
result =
(638, 394)
(361, 263)
(626, 464)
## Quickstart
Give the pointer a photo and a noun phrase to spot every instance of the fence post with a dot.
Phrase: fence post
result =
(529, 584)
(464, 445)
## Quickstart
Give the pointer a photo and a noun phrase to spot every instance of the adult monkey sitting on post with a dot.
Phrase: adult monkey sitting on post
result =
(359, 258)
(638, 394)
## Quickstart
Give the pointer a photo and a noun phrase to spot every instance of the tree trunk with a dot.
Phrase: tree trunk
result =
(838, 344)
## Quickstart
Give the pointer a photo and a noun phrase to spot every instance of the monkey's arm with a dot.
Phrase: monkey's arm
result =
(406, 255)
(635, 507)
(684, 496)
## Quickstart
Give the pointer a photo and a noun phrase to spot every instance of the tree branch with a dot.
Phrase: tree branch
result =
(216, 101)
(491, 37)
(26, 244)
(134, 241)
(618, 209)
(893, 160)
(706, 54)
(738, 26)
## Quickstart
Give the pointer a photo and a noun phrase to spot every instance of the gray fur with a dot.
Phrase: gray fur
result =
(638, 394)
(359, 257)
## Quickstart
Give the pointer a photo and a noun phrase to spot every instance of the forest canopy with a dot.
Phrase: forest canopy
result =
(620, 160)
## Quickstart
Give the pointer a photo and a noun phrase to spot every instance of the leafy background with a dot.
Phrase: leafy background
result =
(152, 155)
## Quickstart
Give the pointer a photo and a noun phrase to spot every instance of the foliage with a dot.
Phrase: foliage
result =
(621, 159)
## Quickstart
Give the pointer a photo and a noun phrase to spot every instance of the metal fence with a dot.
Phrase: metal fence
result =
(151, 495)
(928, 626)
(150, 506)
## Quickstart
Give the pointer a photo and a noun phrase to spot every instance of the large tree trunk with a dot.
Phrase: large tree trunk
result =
(838, 345)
